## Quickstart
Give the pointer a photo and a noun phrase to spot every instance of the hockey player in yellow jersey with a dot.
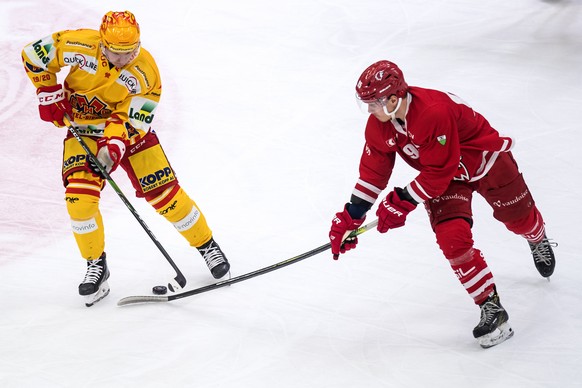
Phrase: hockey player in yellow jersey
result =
(110, 94)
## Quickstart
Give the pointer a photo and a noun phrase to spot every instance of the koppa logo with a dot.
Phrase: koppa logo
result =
(157, 179)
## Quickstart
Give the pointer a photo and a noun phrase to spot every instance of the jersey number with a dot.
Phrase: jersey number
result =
(411, 151)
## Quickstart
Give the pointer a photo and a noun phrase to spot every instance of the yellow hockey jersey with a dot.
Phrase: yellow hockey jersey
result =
(106, 101)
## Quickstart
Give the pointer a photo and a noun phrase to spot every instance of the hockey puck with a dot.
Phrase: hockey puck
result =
(160, 290)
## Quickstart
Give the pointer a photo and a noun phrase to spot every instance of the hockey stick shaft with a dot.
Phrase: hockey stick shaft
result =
(262, 271)
(180, 279)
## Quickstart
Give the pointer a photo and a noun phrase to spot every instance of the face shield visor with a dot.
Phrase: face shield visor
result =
(371, 106)
(378, 106)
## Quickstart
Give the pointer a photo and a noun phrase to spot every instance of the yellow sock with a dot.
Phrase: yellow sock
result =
(87, 224)
(178, 208)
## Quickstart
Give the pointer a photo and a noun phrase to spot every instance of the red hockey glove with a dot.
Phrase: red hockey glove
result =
(392, 212)
(109, 154)
(340, 225)
(53, 104)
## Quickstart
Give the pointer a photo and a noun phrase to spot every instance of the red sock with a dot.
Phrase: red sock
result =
(531, 227)
(474, 274)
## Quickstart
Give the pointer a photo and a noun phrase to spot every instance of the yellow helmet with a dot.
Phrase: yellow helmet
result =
(119, 32)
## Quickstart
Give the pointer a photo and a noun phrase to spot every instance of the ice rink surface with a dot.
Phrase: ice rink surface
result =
(258, 118)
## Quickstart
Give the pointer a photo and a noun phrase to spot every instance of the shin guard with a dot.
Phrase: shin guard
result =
(455, 240)
(178, 208)
(83, 206)
(531, 227)
(474, 274)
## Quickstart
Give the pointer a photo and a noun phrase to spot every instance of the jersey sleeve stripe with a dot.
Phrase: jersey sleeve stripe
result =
(417, 192)
(366, 191)
(369, 186)
(364, 196)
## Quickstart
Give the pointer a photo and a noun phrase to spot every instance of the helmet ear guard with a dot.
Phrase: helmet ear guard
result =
(381, 79)
(120, 32)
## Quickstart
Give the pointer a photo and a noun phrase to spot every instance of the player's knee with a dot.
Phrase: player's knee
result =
(174, 204)
(82, 206)
(178, 208)
(454, 237)
(512, 201)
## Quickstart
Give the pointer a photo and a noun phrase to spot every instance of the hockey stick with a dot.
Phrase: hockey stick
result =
(179, 281)
(166, 298)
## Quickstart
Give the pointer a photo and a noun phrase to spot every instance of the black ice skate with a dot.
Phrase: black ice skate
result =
(95, 286)
(214, 258)
(493, 328)
(543, 256)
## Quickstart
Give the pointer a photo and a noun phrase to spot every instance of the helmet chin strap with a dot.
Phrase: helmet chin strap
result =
(392, 114)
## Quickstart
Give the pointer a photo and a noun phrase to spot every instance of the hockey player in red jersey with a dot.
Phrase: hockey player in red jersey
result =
(457, 153)
(111, 93)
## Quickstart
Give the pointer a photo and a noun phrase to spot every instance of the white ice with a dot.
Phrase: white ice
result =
(259, 120)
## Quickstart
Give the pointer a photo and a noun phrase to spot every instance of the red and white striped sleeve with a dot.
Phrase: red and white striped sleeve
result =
(366, 191)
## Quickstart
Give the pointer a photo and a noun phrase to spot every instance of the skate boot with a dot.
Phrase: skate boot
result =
(95, 286)
(214, 258)
(493, 328)
(543, 256)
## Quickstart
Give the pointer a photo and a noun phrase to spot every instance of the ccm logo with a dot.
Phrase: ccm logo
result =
(50, 98)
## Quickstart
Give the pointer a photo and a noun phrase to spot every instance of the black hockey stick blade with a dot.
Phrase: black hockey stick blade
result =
(166, 298)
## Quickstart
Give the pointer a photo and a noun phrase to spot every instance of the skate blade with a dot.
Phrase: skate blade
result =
(101, 293)
(501, 334)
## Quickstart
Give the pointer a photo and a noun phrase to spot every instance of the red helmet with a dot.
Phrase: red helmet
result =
(381, 79)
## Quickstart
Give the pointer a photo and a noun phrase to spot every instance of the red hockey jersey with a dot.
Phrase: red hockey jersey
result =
(442, 137)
